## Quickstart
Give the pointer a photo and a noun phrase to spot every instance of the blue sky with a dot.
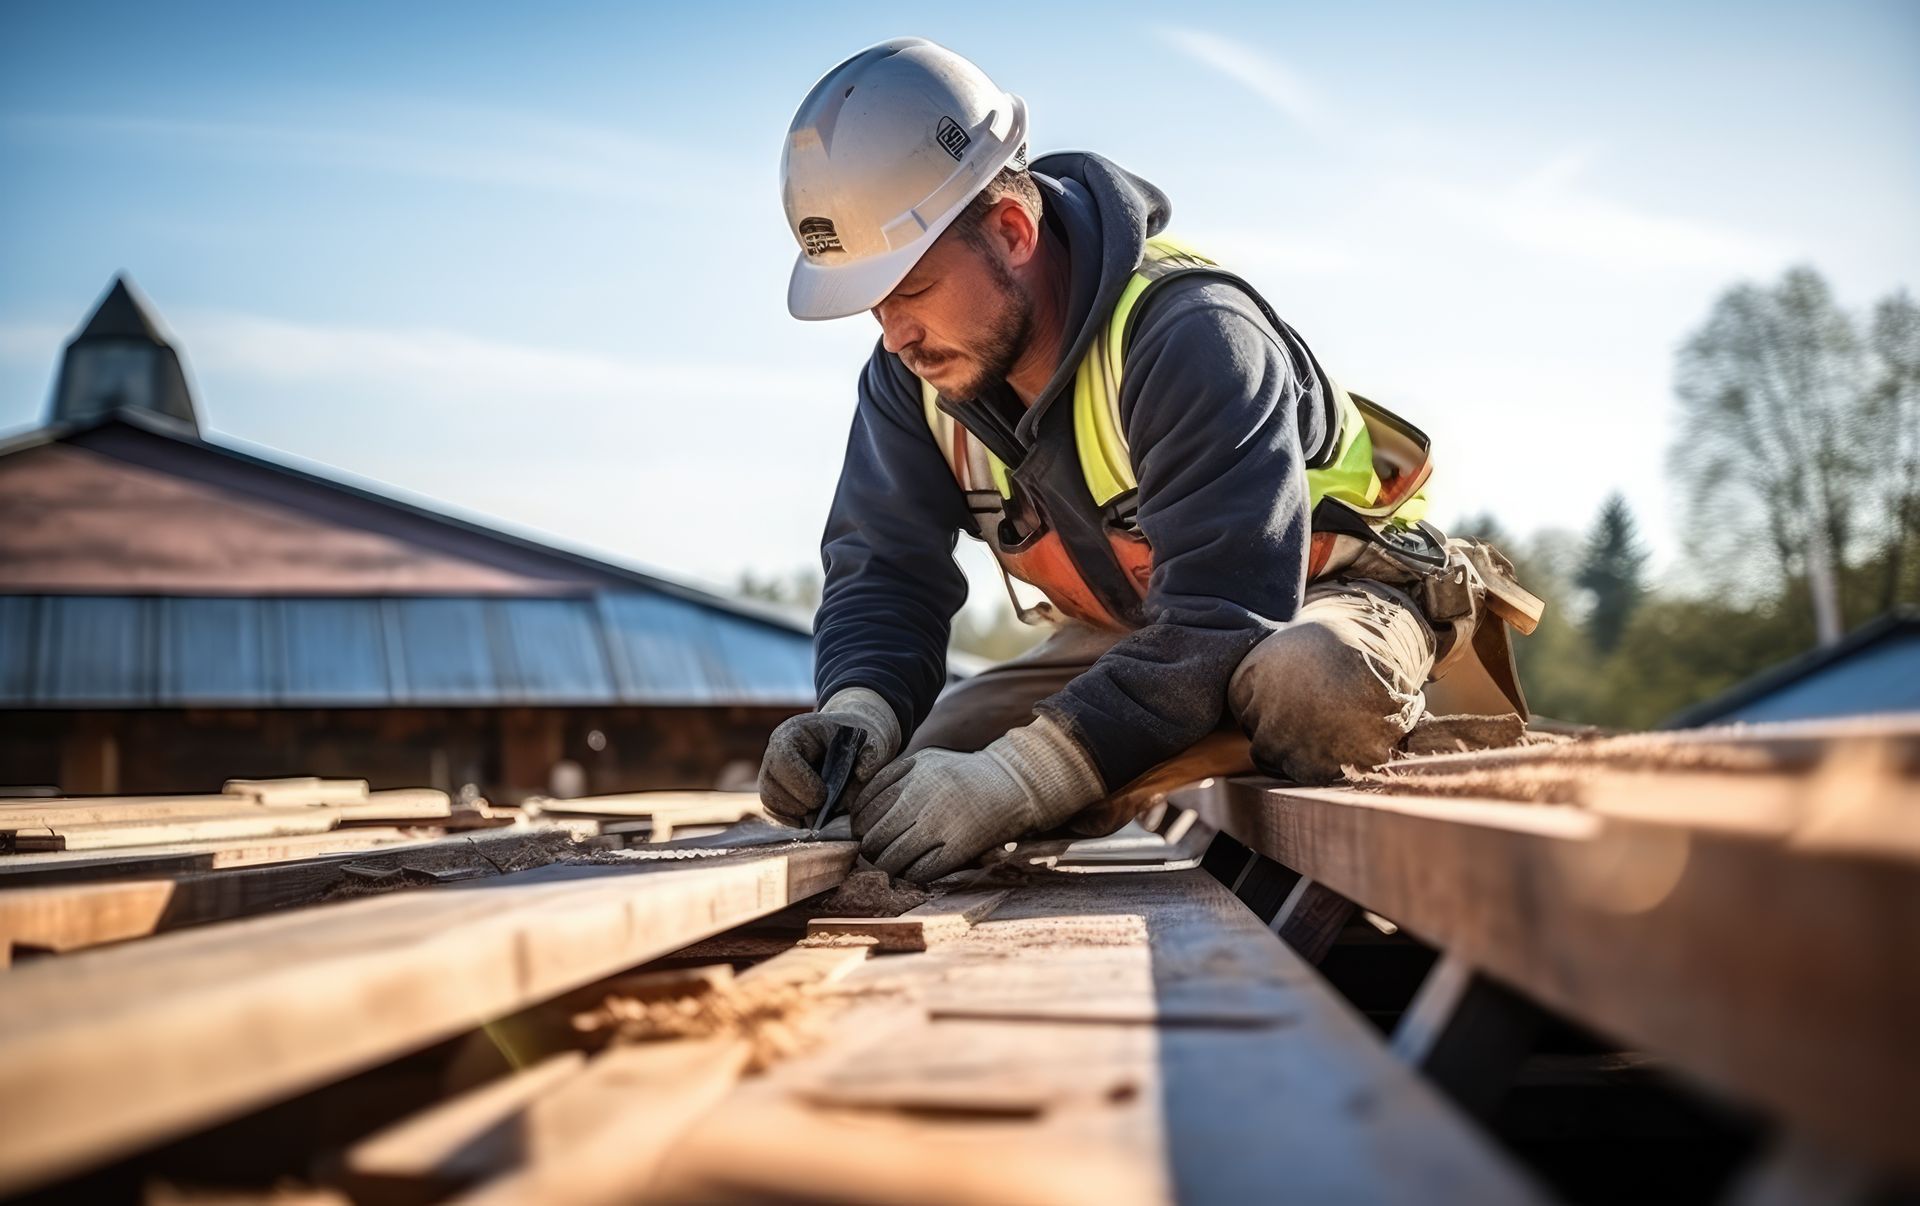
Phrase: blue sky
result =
(529, 262)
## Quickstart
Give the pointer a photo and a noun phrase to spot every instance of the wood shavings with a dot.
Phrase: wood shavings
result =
(778, 1020)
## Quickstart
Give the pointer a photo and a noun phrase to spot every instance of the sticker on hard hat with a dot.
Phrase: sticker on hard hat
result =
(817, 236)
(952, 137)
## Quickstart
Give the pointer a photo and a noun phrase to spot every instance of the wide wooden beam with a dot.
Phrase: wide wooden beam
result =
(105, 1051)
(73, 916)
(1778, 970)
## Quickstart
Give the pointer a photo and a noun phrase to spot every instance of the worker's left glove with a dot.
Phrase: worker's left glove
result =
(934, 812)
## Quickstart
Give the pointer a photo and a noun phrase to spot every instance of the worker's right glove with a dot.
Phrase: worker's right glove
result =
(790, 782)
(933, 812)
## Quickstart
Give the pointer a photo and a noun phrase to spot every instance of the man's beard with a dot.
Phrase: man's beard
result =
(1004, 340)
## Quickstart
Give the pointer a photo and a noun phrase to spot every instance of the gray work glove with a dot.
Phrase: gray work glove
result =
(790, 782)
(933, 812)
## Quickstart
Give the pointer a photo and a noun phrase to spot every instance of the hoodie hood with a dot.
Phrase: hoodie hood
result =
(1105, 214)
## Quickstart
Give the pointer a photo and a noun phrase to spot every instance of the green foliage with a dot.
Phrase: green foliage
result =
(998, 637)
(796, 588)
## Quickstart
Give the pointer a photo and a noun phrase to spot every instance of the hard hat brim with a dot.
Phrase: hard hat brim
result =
(822, 291)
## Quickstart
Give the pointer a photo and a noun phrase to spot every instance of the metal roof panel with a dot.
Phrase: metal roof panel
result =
(551, 649)
(213, 651)
(331, 651)
(446, 653)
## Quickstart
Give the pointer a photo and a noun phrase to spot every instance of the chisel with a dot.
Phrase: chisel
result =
(843, 754)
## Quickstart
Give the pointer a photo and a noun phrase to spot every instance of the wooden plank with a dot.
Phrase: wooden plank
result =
(400, 804)
(457, 1144)
(946, 917)
(257, 822)
(94, 810)
(411, 804)
(602, 1134)
(308, 790)
(803, 967)
(124, 1046)
(64, 866)
(67, 917)
(685, 807)
(1003, 1105)
(1759, 967)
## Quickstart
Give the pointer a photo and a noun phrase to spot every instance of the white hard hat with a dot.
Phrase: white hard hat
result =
(882, 156)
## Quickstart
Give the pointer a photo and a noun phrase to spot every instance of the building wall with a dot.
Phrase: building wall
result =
(506, 752)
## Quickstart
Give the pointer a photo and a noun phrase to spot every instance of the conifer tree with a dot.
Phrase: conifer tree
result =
(1613, 571)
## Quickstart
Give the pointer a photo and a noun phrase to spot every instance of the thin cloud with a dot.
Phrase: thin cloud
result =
(432, 364)
(1548, 209)
(470, 148)
(1263, 75)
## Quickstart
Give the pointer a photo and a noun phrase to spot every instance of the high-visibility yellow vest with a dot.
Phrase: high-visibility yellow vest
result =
(1374, 468)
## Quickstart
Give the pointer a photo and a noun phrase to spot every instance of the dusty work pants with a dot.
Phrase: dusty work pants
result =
(1338, 685)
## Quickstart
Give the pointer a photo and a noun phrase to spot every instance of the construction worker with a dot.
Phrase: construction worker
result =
(1224, 536)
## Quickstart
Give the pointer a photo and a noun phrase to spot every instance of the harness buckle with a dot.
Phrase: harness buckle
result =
(1448, 594)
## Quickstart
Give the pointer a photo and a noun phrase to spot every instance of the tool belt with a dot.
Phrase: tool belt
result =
(1468, 594)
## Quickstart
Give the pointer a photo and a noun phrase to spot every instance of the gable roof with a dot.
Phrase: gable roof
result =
(142, 565)
(217, 474)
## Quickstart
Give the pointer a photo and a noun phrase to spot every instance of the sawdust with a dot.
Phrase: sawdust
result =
(778, 1020)
(1520, 784)
(871, 892)
(1459, 734)
(504, 858)
(537, 851)
(1565, 773)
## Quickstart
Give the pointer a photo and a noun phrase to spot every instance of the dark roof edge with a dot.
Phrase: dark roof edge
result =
(1793, 669)
(773, 615)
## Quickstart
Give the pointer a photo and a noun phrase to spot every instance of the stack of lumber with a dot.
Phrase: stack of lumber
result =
(83, 871)
(246, 809)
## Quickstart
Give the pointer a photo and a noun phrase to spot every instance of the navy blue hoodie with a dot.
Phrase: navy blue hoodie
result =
(1222, 411)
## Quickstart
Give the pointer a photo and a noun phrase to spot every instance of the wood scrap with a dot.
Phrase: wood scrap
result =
(942, 919)
(297, 791)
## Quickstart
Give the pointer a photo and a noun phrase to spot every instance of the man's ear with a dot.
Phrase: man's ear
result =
(1015, 230)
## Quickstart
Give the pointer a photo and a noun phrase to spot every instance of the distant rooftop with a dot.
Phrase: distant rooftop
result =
(145, 565)
(1873, 670)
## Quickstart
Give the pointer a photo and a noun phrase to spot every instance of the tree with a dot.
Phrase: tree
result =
(1613, 571)
(796, 588)
(1776, 435)
(1894, 409)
